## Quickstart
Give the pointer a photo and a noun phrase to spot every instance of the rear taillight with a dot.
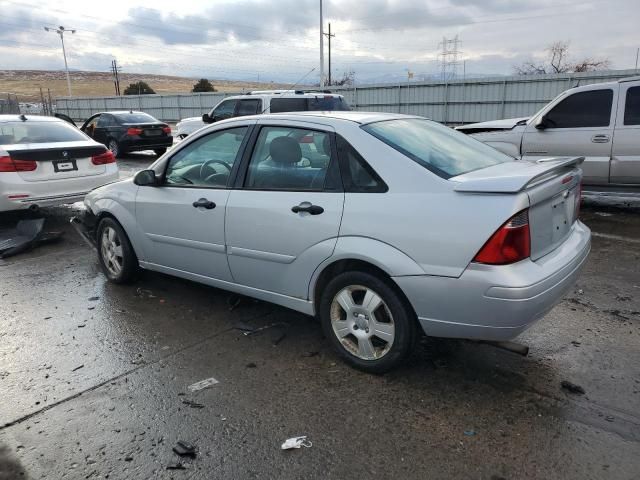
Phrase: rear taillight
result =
(166, 130)
(134, 131)
(7, 164)
(103, 158)
(510, 244)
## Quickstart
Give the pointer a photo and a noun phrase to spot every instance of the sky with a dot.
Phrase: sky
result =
(262, 40)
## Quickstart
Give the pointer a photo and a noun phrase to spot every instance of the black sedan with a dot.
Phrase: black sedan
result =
(129, 131)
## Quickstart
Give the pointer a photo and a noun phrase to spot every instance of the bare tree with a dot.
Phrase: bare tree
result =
(346, 80)
(559, 62)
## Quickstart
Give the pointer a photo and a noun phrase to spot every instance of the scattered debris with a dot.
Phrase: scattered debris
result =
(82, 325)
(278, 338)
(233, 301)
(580, 292)
(48, 318)
(26, 235)
(202, 384)
(310, 354)
(609, 418)
(185, 449)
(94, 299)
(623, 298)
(265, 327)
(572, 387)
(128, 459)
(193, 404)
(469, 433)
(251, 365)
(296, 442)
(77, 368)
(576, 343)
(141, 292)
(177, 466)
(245, 327)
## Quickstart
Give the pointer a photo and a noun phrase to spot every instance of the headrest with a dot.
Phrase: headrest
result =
(285, 150)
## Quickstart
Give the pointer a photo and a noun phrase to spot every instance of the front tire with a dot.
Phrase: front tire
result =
(117, 258)
(367, 322)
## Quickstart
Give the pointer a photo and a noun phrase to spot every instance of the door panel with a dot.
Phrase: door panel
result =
(625, 158)
(581, 125)
(272, 248)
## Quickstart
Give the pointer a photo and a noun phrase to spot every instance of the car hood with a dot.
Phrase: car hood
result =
(504, 124)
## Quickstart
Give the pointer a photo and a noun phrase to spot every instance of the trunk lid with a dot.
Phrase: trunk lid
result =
(553, 188)
(58, 160)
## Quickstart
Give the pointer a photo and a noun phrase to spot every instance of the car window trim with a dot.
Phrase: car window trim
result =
(244, 167)
(234, 169)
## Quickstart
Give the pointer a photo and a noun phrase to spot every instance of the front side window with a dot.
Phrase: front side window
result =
(248, 107)
(582, 109)
(225, 110)
(206, 162)
(632, 107)
(287, 158)
(444, 151)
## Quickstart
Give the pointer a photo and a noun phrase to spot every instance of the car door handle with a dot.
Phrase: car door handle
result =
(203, 202)
(307, 207)
(600, 139)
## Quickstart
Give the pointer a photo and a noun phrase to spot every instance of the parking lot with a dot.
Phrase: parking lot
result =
(94, 379)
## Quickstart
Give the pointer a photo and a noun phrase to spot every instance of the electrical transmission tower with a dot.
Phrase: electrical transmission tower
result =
(450, 54)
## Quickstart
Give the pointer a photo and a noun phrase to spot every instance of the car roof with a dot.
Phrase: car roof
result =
(29, 118)
(351, 116)
(123, 112)
(282, 94)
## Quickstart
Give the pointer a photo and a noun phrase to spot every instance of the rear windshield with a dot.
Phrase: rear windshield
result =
(305, 104)
(39, 132)
(135, 118)
(442, 150)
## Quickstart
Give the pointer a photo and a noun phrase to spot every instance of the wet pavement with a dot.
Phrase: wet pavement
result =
(94, 380)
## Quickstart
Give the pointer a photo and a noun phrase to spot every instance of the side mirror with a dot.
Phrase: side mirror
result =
(207, 119)
(146, 178)
(542, 123)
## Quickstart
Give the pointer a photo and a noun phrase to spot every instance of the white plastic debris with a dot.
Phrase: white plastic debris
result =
(202, 384)
(296, 442)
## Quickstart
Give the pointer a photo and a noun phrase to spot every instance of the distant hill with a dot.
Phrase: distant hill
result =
(26, 83)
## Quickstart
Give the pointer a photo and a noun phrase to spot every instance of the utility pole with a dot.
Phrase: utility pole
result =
(321, 47)
(116, 78)
(637, 53)
(329, 35)
(60, 31)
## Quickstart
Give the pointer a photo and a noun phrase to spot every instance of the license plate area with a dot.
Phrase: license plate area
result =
(60, 166)
(153, 133)
(562, 214)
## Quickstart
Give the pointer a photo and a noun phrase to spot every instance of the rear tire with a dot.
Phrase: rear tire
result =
(367, 322)
(115, 253)
(114, 147)
(160, 151)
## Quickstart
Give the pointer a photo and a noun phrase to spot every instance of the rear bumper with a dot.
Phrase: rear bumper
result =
(17, 194)
(136, 145)
(497, 302)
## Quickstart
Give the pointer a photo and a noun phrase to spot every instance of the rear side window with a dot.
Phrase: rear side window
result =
(106, 121)
(440, 149)
(357, 174)
(39, 132)
(328, 103)
(632, 107)
(279, 105)
(583, 109)
(248, 107)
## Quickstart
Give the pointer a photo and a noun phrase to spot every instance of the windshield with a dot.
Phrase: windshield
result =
(39, 132)
(442, 150)
(135, 118)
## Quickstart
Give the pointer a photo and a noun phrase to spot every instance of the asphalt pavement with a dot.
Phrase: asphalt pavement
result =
(95, 379)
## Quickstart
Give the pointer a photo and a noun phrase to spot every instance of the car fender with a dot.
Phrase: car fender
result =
(125, 217)
(382, 255)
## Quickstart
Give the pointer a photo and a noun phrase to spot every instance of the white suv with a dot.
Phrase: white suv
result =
(263, 101)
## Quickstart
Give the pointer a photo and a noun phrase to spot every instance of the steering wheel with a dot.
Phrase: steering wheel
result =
(225, 164)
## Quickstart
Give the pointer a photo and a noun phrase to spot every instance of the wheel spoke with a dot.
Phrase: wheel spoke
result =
(384, 331)
(117, 251)
(341, 327)
(371, 301)
(111, 234)
(366, 349)
(345, 300)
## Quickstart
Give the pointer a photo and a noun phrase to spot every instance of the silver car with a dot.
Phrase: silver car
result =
(381, 225)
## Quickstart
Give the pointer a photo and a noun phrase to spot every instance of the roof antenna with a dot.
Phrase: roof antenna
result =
(22, 117)
(292, 87)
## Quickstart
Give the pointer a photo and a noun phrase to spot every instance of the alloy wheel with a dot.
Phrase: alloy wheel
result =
(362, 322)
(111, 250)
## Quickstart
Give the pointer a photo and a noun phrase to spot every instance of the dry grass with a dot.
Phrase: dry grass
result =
(26, 84)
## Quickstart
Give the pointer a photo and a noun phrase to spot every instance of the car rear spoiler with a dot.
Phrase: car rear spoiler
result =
(513, 177)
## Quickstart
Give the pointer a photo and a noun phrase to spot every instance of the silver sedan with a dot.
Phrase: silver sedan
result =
(380, 225)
